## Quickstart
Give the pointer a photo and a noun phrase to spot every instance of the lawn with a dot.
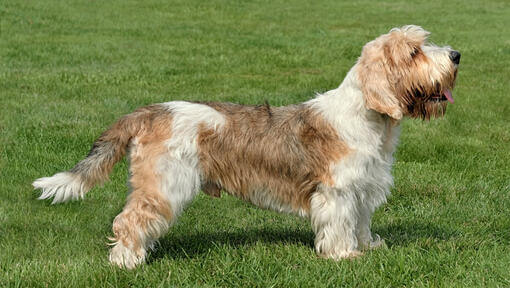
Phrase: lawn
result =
(68, 69)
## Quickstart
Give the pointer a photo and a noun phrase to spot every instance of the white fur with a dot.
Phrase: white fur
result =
(180, 167)
(441, 59)
(334, 218)
(62, 186)
(187, 118)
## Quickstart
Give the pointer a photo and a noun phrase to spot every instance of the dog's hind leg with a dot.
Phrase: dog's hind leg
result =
(147, 213)
(161, 186)
(145, 218)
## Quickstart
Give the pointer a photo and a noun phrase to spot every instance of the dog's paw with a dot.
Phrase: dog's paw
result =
(124, 257)
(374, 242)
(377, 242)
(337, 256)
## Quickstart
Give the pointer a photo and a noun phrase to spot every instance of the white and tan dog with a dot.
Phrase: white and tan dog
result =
(329, 158)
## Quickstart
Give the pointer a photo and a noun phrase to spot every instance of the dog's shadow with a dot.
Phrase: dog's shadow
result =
(407, 232)
(179, 246)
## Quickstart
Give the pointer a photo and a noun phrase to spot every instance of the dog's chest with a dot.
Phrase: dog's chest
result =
(368, 166)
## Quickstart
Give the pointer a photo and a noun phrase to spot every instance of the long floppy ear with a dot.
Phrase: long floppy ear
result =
(380, 64)
(376, 90)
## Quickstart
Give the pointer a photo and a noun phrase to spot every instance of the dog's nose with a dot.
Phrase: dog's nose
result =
(455, 56)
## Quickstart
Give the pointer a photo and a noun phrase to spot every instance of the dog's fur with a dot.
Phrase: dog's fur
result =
(328, 158)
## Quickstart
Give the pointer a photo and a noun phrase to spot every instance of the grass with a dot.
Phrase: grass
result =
(68, 69)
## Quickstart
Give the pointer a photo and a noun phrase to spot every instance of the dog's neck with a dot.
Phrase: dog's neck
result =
(344, 108)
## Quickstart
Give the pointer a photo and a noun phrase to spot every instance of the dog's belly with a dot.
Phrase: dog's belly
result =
(262, 186)
(266, 198)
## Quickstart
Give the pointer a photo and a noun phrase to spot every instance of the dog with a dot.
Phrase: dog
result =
(328, 159)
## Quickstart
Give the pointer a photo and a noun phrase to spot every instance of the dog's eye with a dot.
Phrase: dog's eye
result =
(415, 52)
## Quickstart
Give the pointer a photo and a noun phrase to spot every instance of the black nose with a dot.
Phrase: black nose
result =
(455, 56)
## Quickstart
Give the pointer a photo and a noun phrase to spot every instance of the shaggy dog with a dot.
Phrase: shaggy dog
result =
(328, 159)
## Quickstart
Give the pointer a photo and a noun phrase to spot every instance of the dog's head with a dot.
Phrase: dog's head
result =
(403, 75)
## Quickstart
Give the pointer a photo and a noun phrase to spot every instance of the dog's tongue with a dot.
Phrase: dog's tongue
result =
(448, 94)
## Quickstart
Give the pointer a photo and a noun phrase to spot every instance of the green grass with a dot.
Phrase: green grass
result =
(68, 69)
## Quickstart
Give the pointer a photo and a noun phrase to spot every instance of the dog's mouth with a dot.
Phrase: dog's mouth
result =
(439, 95)
(445, 95)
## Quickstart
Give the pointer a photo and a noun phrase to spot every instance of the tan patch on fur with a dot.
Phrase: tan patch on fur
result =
(283, 151)
(146, 209)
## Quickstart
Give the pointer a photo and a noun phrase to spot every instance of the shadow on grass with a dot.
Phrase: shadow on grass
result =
(193, 245)
(178, 246)
(406, 232)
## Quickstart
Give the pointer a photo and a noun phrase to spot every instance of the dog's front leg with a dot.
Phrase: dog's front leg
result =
(365, 238)
(334, 217)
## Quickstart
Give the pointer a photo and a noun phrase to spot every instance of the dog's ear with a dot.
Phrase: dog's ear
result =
(374, 77)
(377, 93)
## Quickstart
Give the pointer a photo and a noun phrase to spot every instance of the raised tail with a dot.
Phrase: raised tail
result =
(96, 167)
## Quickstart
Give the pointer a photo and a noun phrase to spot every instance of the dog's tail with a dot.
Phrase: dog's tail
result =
(106, 151)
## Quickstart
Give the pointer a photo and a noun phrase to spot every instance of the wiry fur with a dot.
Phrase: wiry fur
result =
(274, 157)
(328, 159)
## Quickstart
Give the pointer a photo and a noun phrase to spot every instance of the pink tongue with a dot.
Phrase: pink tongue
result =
(448, 95)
